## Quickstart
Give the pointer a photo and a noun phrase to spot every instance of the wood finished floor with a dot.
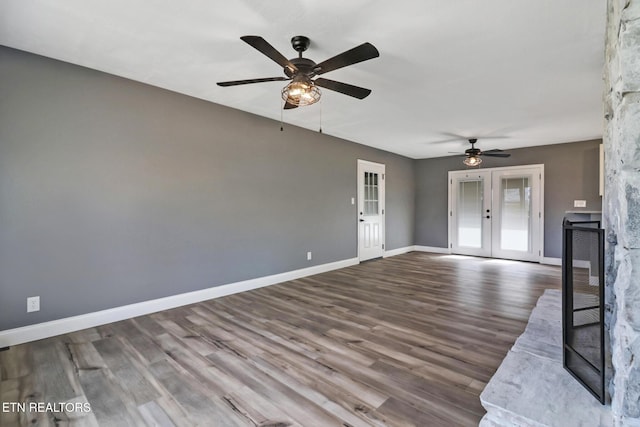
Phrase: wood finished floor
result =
(403, 341)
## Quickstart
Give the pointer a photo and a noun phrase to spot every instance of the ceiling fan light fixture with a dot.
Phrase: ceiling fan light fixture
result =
(472, 161)
(301, 91)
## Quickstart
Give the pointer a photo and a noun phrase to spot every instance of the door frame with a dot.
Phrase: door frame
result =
(361, 165)
(450, 224)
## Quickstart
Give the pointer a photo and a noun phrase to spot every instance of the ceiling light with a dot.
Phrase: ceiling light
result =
(472, 161)
(301, 91)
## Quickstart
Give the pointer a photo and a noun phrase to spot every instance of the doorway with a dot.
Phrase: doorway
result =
(371, 200)
(497, 212)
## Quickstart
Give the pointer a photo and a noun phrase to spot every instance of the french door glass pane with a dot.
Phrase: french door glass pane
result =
(515, 224)
(470, 214)
(370, 193)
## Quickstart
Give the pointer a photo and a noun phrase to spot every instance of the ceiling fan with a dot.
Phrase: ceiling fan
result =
(303, 89)
(472, 155)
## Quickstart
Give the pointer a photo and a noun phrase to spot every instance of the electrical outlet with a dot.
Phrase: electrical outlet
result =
(33, 304)
(308, 256)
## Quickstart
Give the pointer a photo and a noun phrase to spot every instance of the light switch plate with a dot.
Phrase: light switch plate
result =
(579, 203)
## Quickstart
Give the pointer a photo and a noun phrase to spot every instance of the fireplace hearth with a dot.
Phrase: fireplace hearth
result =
(531, 387)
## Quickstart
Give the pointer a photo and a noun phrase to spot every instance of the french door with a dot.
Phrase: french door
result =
(470, 199)
(497, 212)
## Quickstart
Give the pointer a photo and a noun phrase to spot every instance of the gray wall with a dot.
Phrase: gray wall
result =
(114, 192)
(571, 172)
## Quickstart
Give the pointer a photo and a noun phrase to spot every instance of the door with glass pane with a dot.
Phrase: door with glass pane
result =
(497, 212)
(516, 214)
(370, 210)
(470, 206)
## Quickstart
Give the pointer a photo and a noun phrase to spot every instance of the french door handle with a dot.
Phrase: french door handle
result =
(361, 220)
(488, 217)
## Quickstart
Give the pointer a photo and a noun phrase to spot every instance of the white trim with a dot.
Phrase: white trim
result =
(579, 263)
(542, 215)
(582, 263)
(601, 170)
(52, 328)
(399, 251)
(432, 249)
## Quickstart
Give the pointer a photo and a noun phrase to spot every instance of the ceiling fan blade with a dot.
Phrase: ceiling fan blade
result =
(263, 46)
(245, 82)
(495, 153)
(289, 106)
(360, 53)
(347, 89)
(442, 141)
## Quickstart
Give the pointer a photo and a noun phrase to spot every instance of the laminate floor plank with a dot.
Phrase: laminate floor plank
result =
(294, 404)
(56, 381)
(409, 340)
(154, 415)
(108, 402)
(258, 408)
(308, 367)
(174, 411)
(193, 397)
(401, 389)
(15, 364)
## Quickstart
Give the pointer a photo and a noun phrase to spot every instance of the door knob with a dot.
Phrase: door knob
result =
(488, 217)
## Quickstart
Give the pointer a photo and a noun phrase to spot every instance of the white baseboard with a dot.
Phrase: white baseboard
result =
(11, 337)
(581, 263)
(408, 249)
(578, 263)
(432, 249)
(399, 251)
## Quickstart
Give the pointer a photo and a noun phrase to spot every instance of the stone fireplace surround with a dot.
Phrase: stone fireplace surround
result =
(621, 221)
(621, 205)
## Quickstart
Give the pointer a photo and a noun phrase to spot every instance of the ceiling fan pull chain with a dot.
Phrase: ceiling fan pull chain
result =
(320, 116)
(281, 113)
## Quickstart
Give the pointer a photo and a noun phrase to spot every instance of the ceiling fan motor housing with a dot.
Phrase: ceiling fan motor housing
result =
(473, 151)
(304, 66)
(300, 43)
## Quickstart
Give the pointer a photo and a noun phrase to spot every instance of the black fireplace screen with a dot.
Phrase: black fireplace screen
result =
(583, 336)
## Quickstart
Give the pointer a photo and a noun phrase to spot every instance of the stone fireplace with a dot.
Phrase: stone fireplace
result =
(558, 401)
(621, 205)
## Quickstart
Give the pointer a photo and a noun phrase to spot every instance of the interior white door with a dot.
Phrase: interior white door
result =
(470, 212)
(497, 212)
(517, 214)
(370, 210)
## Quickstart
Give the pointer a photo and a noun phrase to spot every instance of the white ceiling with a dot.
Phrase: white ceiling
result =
(527, 71)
